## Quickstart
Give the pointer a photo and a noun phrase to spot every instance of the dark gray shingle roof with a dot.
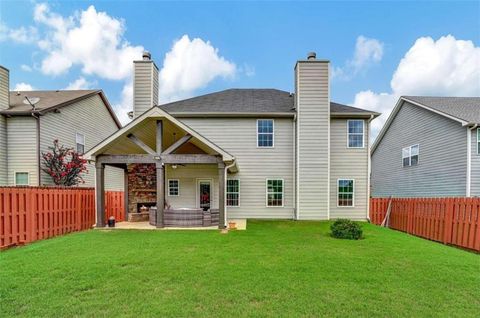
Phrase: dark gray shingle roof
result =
(464, 108)
(254, 101)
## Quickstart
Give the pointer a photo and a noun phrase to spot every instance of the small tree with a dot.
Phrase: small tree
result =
(64, 165)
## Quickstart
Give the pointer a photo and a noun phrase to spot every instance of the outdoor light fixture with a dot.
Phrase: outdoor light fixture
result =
(174, 166)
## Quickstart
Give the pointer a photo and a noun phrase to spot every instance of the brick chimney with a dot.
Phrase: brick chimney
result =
(145, 84)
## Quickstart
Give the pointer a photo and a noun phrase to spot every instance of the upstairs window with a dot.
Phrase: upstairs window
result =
(233, 192)
(80, 141)
(265, 133)
(478, 141)
(355, 132)
(21, 178)
(173, 188)
(410, 155)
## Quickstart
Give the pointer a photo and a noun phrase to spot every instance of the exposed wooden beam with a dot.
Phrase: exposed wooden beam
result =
(177, 144)
(159, 137)
(141, 144)
(127, 159)
(190, 158)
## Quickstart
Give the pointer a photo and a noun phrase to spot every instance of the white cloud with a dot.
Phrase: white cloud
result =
(446, 67)
(126, 103)
(190, 65)
(20, 35)
(23, 87)
(80, 83)
(367, 52)
(25, 68)
(93, 40)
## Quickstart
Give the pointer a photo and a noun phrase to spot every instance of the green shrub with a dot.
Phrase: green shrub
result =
(346, 229)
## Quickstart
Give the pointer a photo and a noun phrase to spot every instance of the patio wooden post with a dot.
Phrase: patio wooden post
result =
(125, 193)
(159, 137)
(160, 193)
(100, 193)
(221, 195)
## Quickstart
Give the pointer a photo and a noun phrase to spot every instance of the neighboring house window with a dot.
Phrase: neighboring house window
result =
(355, 131)
(478, 141)
(274, 192)
(345, 192)
(21, 178)
(265, 133)
(173, 188)
(80, 140)
(233, 192)
(410, 155)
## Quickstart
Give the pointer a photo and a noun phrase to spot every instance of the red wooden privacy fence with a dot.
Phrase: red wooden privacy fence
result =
(28, 214)
(454, 221)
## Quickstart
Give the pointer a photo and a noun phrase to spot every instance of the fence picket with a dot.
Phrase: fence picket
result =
(28, 214)
(454, 221)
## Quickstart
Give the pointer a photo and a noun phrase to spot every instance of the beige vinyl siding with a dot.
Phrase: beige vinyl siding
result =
(238, 137)
(475, 174)
(187, 177)
(3, 151)
(22, 148)
(145, 88)
(313, 120)
(4, 104)
(442, 164)
(89, 117)
(348, 163)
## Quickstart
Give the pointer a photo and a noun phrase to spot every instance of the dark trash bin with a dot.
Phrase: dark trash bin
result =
(111, 221)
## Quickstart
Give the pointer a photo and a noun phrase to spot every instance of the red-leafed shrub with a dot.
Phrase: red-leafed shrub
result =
(64, 165)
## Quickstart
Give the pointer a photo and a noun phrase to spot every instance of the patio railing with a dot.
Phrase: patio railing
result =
(28, 214)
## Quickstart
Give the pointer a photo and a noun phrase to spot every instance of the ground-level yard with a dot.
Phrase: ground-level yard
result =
(275, 268)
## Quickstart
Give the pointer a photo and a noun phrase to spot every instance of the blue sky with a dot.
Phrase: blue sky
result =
(262, 40)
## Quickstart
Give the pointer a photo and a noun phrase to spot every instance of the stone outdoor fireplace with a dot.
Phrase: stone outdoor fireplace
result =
(142, 185)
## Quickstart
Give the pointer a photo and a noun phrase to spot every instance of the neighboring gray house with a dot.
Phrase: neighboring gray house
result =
(77, 118)
(248, 153)
(429, 147)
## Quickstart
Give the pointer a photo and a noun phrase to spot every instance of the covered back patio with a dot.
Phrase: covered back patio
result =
(174, 177)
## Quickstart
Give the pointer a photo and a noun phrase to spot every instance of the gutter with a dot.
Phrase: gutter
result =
(469, 160)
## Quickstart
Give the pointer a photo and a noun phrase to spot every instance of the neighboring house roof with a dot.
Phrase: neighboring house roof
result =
(52, 100)
(238, 102)
(465, 110)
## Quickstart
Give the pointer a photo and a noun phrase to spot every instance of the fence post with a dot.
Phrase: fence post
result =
(448, 221)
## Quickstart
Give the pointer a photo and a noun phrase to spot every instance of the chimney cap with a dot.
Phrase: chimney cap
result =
(311, 56)
(146, 56)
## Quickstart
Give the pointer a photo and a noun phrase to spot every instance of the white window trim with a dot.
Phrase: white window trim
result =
(226, 192)
(76, 142)
(478, 141)
(273, 133)
(266, 193)
(410, 155)
(178, 186)
(353, 193)
(15, 177)
(363, 134)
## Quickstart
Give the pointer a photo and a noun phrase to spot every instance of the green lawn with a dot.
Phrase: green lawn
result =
(275, 268)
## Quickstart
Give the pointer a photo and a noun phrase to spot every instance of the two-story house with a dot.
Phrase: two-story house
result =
(31, 120)
(429, 147)
(246, 153)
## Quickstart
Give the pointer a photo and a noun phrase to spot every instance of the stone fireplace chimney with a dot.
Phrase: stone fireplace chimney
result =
(145, 84)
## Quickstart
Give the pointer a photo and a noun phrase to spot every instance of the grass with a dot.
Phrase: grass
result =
(275, 268)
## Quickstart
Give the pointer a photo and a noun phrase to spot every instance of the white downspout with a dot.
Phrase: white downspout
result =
(295, 217)
(225, 191)
(369, 166)
(469, 159)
